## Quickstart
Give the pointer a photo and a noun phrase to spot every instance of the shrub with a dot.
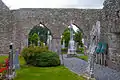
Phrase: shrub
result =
(80, 51)
(64, 49)
(40, 56)
(47, 59)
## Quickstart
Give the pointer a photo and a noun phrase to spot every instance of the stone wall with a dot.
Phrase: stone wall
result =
(112, 16)
(3, 7)
(6, 28)
(59, 18)
(23, 20)
(56, 20)
(15, 25)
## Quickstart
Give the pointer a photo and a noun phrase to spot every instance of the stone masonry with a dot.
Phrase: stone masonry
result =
(15, 26)
(112, 16)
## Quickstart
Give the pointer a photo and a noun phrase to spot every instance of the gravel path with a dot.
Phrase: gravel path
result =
(80, 67)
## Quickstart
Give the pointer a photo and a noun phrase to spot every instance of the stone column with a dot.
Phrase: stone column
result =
(53, 45)
(56, 44)
(56, 47)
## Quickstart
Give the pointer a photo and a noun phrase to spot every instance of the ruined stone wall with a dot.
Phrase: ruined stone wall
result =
(3, 7)
(7, 28)
(56, 19)
(21, 21)
(112, 15)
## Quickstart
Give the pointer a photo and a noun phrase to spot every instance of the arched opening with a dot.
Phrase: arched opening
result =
(39, 35)
(72, 32)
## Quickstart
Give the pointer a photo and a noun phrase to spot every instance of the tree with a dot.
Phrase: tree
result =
(43, 31)
(34, 39)
(66, 37)
(78, 38)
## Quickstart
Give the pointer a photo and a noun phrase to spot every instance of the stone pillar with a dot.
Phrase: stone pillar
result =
(53, 46)
(56, 44)
(114, 51)
(56, 47)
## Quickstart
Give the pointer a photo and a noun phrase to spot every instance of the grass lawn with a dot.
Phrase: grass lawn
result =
(83, 57)
(53, 73)
(46, 73)
(2, 58)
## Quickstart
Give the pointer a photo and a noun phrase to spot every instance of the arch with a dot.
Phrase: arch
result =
(56, 20)
(41, 31)
(78, 29)
(40, 23)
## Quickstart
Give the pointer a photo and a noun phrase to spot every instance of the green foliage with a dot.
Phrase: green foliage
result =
(64, 50)
(40, 56)
(81, 50)
(66, 37)
(78, 38)
(42, 44)
(34, 39)
(2, 58)
(43, 31)
(47, 59)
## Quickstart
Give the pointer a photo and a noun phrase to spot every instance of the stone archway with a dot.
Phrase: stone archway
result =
(56, 20)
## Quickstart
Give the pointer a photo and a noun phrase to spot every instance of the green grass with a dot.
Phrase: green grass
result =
(81, 50)
(52, 73)
(44, 73)
(83, 57)
(2, 58)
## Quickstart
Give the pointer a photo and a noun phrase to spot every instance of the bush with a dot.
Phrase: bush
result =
(46, 59)
(64, 49)
(40, 56)
(80, 51)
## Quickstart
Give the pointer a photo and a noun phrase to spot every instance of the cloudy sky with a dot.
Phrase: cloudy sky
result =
(15, 4)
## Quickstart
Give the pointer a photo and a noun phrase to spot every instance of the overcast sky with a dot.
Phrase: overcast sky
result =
(15, 4)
